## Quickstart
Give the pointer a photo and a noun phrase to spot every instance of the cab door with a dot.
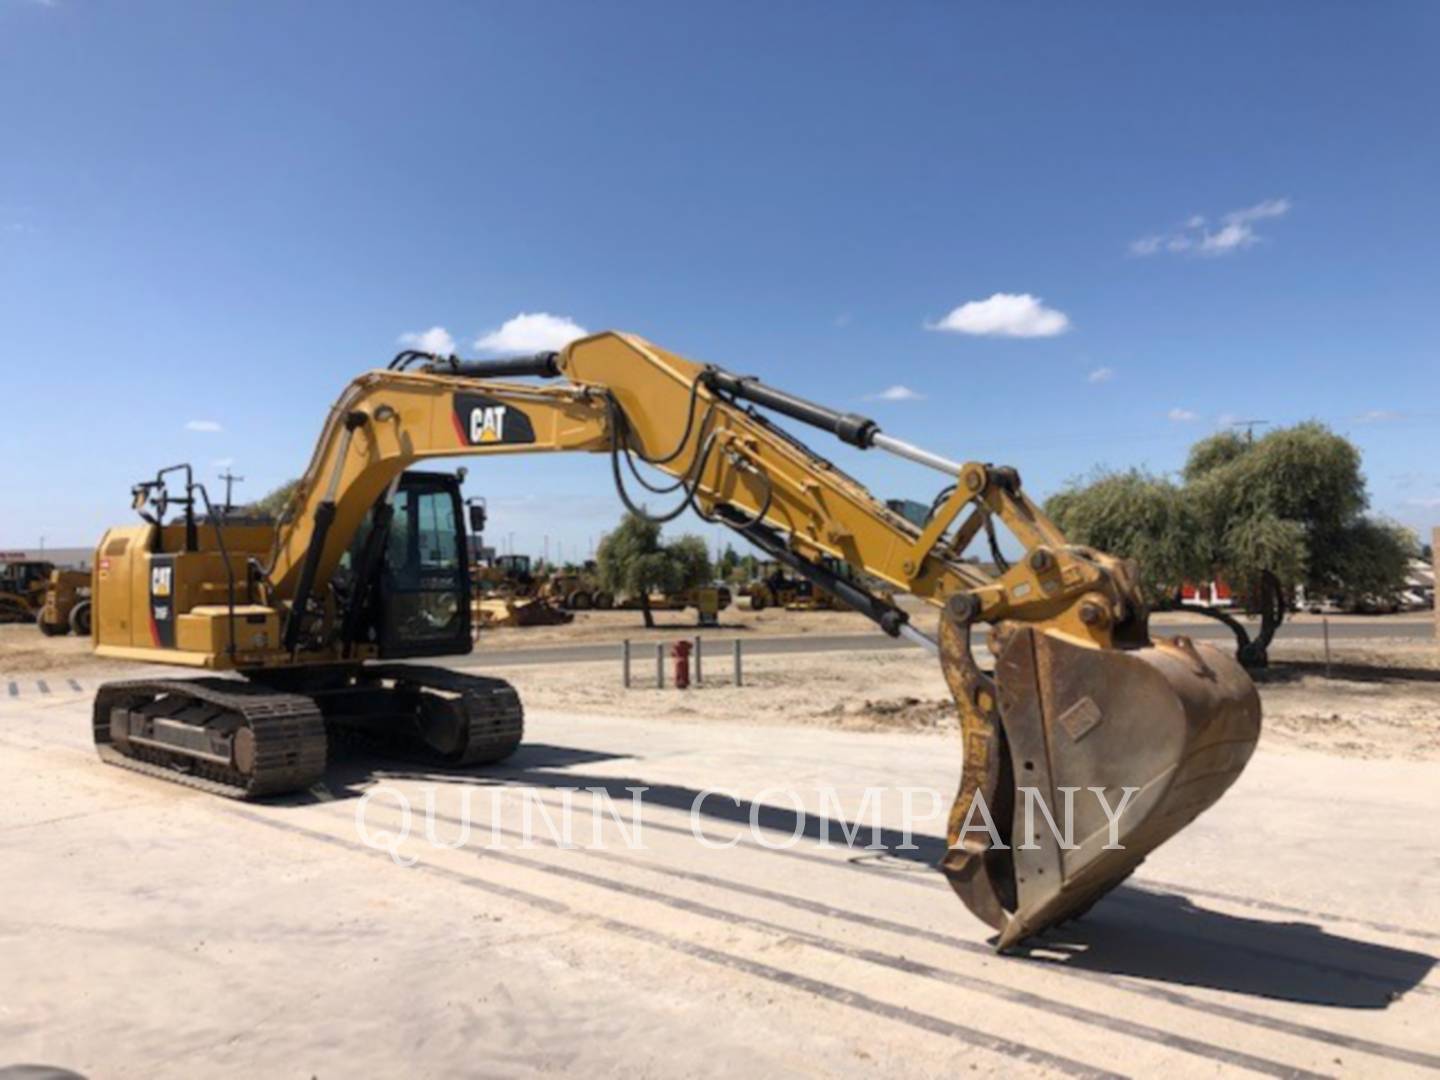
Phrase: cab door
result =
(424, 607)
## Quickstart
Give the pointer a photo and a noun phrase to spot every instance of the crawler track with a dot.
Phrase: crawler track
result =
(285, 735)
(490, 710)
(289, 736)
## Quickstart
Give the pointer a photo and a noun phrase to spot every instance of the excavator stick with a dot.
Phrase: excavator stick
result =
(1123, 747)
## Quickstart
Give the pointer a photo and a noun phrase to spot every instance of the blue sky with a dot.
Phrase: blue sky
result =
(213, 215)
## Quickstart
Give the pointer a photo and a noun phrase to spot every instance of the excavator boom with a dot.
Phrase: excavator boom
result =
(1122, 739)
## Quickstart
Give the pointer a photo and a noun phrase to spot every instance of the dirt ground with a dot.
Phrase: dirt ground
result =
(738, 619)
(1359, 712)
(24, 651)
(904, 691)
(599, 626)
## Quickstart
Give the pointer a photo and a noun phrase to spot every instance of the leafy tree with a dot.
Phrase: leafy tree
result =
(273, 504)
(1266, 516)
(633, 562)
(1137, 516)
(728, 563)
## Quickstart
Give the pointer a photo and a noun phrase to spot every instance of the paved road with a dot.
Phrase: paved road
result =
(720, 642)
(270, 940)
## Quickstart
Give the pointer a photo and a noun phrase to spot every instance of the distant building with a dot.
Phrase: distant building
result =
(67, 558)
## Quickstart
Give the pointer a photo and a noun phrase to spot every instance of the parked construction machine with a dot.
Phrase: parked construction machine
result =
(368, 566)
(22, 588)
(55, 599)
(776, 588)
(66, 605)
(578, 589)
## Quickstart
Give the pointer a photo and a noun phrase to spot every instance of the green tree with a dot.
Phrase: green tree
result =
(1137, 516)
(1264, 515)
(728, 564)
(273, 504)
(633, 562)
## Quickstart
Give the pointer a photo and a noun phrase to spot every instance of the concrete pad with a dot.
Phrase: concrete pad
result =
(150, 930)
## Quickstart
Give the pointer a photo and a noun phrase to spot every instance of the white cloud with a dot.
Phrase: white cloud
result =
(1181, 416)
(1100, 374)
(1004, 315)
(203, 425)
(1378, 416)
(1236, 232)
(1270, 208)
(527, 333)
(222, 463)
(897, 392)
(1234, 235)
(436, 340)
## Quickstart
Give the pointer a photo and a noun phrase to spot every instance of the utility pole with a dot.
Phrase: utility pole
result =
(1249, 426)
(230, 480)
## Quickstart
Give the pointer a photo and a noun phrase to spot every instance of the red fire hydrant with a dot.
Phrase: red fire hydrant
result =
(680, 652)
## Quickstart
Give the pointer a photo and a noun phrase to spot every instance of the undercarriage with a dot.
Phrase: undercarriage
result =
(249, 739)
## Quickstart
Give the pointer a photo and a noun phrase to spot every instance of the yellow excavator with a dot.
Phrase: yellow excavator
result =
(368, 566)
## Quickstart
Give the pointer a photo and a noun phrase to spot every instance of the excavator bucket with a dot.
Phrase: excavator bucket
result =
(1123, 747)
(522, 611)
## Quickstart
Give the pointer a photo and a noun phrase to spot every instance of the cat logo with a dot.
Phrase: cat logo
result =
(481, 420)
(160, 579)
(487, 424)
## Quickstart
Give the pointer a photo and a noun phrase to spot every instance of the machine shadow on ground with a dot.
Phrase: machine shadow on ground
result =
(1134, 931)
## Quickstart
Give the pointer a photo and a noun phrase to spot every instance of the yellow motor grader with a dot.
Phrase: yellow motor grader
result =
(368, 566)
(579, 589)
(776, 588)
(22, 588)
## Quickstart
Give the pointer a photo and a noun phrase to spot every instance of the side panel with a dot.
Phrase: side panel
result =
(113, 613)
(163, 601)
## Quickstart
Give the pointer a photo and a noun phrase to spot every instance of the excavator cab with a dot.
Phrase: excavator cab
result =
(424, 607)
(406, 576)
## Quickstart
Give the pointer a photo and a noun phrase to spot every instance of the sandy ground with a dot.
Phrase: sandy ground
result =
(150, 931)
(593, 626)
(1360, 712)
(598, 626)
(904, 691)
